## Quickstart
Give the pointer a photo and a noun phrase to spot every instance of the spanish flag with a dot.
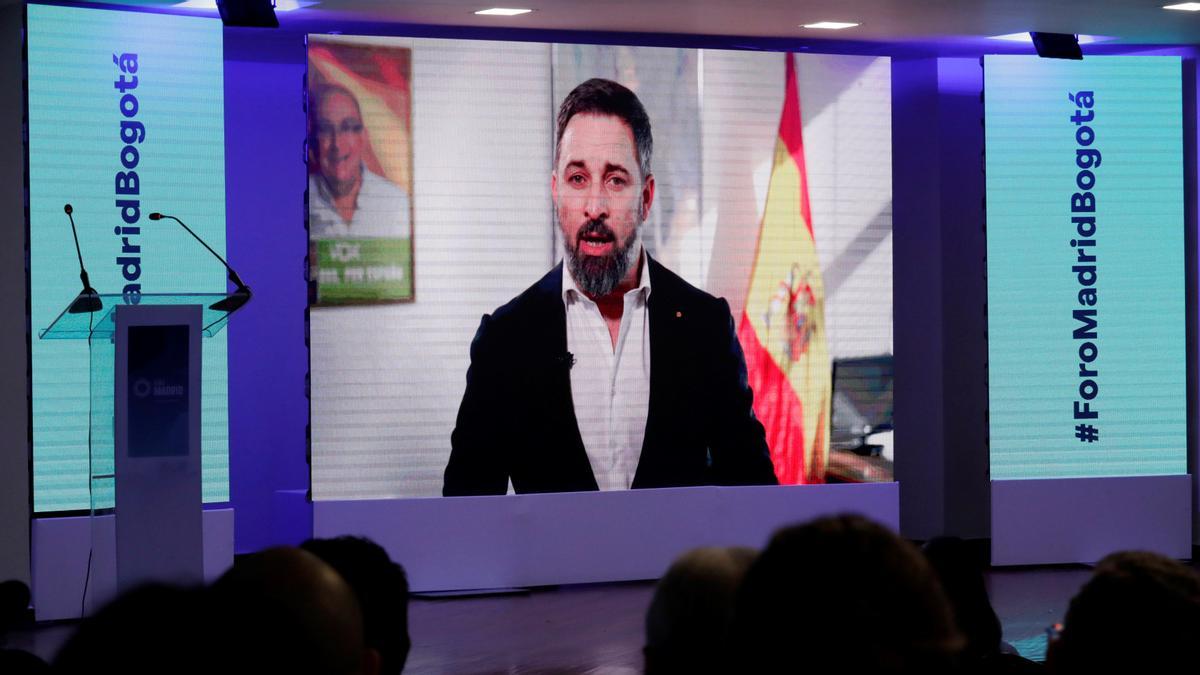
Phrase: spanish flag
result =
(782, 329)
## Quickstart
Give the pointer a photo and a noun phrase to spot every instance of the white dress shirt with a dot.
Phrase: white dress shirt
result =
(381, 210)
(610, 386)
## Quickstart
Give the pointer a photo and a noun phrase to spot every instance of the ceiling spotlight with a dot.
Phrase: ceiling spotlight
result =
(1056, 45)
(279, 5)
(1028, 39)
(830, 25)
(502, 11)
(1185, 7)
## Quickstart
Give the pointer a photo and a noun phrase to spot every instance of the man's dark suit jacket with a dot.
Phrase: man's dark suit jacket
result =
(517, 419)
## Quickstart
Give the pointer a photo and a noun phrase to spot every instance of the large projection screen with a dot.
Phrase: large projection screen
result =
(452, 150)
(126, 117)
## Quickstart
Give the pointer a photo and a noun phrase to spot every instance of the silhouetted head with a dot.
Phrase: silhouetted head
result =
(287, 611)
(688, 619)
(381, 588)
(842, 594)
(17, 662)
(14, 602)
(961, 576)
(150, 629)
(1139, 613)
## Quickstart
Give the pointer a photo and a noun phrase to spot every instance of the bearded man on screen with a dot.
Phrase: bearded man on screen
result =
(611, 372)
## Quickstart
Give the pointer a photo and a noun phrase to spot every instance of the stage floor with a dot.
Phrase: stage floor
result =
(599, 628)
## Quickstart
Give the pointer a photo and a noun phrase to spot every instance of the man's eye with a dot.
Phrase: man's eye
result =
(617, 181)
(576, 179)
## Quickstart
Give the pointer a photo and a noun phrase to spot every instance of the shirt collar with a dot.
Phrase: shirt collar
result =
(569, 286)
(323, 187)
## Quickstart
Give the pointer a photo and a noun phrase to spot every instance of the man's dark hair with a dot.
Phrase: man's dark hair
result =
(14, 601)
(382, 591)
(284, 610)
(150, 629)
(961, 575)
(598, 96)
(1140, 612)
(688, 619)
(842, 594)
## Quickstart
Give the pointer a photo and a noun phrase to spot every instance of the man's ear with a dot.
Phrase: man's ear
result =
(554, 187)
(372, 662)
(1054, 655)
(647, 195)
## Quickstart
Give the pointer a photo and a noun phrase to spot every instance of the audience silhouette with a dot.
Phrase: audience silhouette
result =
(960, 572)
(150, 629)
(381, 588)
(689, 616)
(836, 594)
(1137, 614)
(842, 594)
(287, 611)
(14, 607)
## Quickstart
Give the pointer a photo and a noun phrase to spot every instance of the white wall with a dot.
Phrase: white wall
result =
(845, 107)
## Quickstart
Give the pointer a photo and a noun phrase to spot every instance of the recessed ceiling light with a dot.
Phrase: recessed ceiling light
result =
(830, 25)
(1185, 6)
(1025, 37)
(502, 11)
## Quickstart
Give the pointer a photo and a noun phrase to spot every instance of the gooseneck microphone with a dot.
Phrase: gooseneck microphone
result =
(88, 300)
(236, 299)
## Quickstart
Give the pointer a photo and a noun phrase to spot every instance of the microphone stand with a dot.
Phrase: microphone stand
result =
(236, 299)
(88, 300)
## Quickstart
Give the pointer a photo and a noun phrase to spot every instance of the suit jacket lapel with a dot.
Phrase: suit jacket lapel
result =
(662, 314)
(551, 342)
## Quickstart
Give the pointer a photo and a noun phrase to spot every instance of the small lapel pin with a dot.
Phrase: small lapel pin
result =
(678, 315)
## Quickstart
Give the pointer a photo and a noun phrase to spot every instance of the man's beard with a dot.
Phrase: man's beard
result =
(599, 275)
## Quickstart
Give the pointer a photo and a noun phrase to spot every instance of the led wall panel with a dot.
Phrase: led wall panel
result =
(1085, 245)
(126, 117)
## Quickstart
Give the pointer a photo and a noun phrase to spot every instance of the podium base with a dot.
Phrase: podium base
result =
(60, 557)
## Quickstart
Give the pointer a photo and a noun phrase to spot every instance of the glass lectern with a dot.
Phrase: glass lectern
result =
(144, 423)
